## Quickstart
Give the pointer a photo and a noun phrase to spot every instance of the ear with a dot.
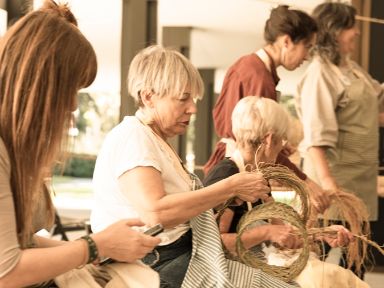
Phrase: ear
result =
(286, 40)
(268, 139)
(147, 97)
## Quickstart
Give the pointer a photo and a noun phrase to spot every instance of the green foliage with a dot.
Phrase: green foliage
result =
(77, 166)
(85, 103)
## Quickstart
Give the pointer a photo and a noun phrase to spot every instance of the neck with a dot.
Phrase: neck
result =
(343, 60)
(144, 118)
(157, 131)
(274, 52)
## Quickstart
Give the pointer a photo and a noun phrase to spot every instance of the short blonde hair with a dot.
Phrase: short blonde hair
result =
(163, 71)
(253, 117)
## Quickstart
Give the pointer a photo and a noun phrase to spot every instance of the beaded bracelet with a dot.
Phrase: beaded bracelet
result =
(93, 252)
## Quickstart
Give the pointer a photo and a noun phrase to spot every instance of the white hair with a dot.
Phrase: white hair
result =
(254, 117)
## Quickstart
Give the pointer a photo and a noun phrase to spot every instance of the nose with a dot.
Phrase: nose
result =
(192, 108)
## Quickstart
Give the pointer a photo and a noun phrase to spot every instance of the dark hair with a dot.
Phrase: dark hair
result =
(331, 19)
(284, 21)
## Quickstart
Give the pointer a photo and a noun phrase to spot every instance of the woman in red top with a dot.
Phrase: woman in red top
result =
(289, 35)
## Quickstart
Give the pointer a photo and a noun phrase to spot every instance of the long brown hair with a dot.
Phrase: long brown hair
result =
(44, 60)
(331, 19)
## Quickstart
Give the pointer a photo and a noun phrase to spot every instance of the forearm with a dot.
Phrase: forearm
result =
(47, 263)
(250, 238)
(144, 189)
(323, 172)
(43, 242)
(175, 209)
(255, 236)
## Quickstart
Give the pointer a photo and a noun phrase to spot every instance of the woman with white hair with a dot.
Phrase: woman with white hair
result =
(139, 174)
(260, 135)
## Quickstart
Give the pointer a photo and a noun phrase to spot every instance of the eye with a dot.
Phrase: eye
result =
(185, 97)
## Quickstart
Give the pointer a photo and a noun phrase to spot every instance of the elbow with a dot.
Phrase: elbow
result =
(158, 217)
(152, 218)
(156, 214)
(167, 220)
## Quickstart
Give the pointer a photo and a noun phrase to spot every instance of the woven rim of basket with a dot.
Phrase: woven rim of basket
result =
(267, 211)
(289, 180)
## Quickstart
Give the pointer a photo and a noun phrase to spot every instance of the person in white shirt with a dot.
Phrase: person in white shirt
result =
(138, 174)
(338, 103)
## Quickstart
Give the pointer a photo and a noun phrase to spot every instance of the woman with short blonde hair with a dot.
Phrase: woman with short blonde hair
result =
(138, 174)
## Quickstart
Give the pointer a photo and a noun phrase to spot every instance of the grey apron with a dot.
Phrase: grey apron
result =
(354, 161)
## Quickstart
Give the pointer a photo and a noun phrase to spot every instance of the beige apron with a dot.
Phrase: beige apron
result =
(354, 161)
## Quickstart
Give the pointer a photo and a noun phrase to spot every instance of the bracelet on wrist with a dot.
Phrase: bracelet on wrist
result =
(93, 252)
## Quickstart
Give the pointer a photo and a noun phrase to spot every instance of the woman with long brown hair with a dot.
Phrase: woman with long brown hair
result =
(44, 61)
(338, 103)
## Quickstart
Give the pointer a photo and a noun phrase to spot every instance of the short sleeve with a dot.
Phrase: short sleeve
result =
(131, 146)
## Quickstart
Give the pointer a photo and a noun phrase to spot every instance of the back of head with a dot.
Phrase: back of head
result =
(163, 71)
(284, 21)
(332, 18)
(253, 117)
(44, 60)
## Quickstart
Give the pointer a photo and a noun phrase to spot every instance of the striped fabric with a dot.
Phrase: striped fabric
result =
(209, 268)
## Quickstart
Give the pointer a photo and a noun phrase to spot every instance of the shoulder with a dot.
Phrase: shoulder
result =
(128, 132)
(247, 66)
(317, 66)
(222, 170)
(128, 140)
(320, 71)
(129, 124)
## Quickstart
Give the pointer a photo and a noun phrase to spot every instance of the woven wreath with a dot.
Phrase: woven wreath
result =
(267, 211)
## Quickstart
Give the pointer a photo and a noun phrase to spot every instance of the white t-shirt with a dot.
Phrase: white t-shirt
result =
(131, 144)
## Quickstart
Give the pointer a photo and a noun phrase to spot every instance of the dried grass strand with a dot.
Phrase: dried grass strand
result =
(354, 215)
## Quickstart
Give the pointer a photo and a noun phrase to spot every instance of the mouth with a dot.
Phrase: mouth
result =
(186, 123)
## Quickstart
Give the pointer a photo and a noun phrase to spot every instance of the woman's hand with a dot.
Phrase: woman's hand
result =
(120, 242)
(284, 236)
(343, 237)
(249, 186)
(320, 198)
